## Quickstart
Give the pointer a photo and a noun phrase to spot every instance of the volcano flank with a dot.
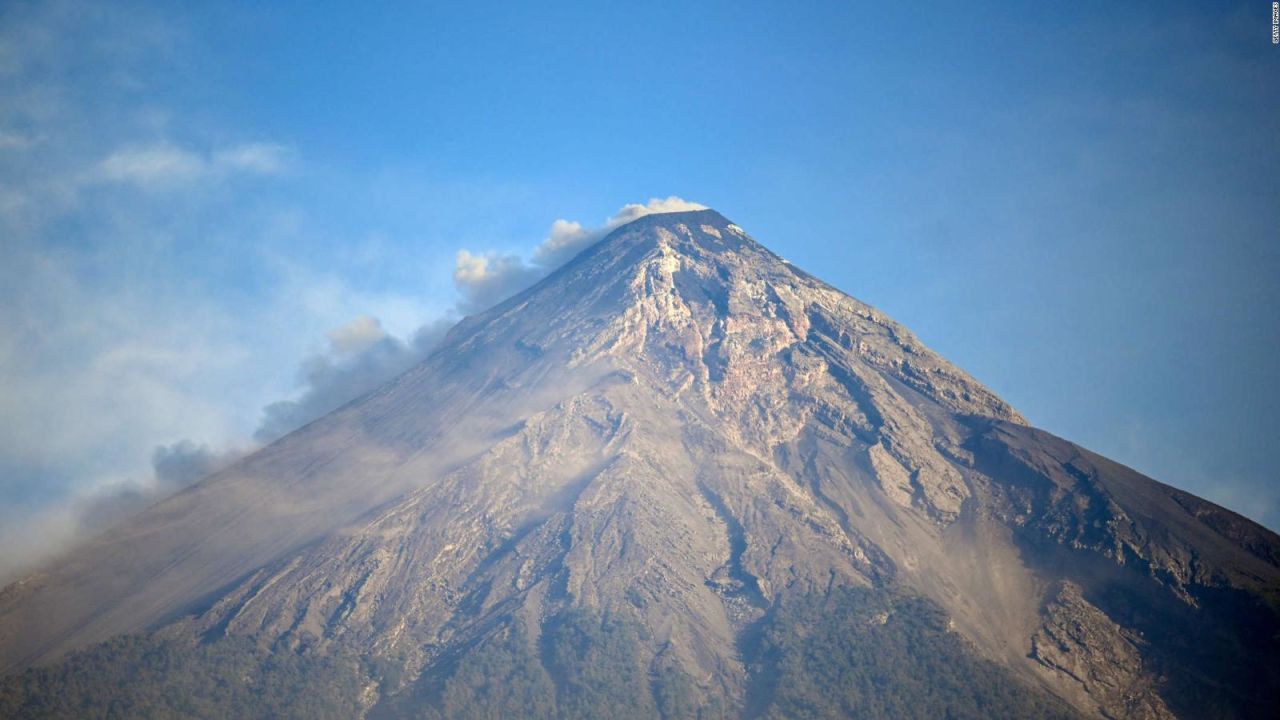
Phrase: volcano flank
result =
(677, 478)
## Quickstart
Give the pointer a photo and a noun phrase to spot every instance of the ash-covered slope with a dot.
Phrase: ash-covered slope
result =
(664, 480)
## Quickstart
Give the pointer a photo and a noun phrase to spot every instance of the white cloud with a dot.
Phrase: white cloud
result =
(10, 140)
(259, 158)
(115, 338)
(98, 372)
(109, 355)
(164, 166)
(152, 166)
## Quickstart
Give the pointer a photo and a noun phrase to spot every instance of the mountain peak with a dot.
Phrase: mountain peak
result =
(684, 231)
(695, 290)
(707, 216)
(707, 220)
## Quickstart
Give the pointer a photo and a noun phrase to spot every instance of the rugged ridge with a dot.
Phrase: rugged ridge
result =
(676, 447)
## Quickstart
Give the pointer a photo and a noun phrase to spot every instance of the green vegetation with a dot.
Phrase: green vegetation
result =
(857, 653)
(583, 666)
(500, 678)
(873, 654)
(598, 666)
(678, 697)
(137, 677)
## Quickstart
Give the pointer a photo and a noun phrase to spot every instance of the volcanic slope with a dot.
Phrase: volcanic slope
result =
(678, 477)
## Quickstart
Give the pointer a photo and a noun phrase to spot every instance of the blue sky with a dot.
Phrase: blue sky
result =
(205, 208)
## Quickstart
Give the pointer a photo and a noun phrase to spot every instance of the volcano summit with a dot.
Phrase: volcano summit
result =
(678, 477)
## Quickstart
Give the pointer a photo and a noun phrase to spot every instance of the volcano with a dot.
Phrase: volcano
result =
(678, 477)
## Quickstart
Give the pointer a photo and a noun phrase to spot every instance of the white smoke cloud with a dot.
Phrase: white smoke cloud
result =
(39, 537)
(566, 239)
(34, 538)
(485, 279)
(655, 206)
(174, 467)
(360, 358)
(356, 335)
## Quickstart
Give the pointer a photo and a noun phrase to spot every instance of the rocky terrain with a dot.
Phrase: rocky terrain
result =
(679, 477)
